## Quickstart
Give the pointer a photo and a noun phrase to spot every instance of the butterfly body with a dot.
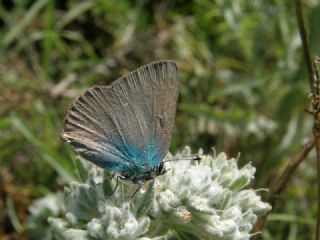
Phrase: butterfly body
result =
(126, 127)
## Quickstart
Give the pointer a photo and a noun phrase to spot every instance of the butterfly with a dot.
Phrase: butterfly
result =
(126, 127)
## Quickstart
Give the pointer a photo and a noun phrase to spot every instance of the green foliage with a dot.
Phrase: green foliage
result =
(243, 86)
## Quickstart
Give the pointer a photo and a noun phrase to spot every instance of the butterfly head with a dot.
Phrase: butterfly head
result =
(149, 174)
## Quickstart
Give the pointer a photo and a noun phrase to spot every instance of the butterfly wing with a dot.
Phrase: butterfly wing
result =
(126, 126)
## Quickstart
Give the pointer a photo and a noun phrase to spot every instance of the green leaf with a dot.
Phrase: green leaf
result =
(49, 155)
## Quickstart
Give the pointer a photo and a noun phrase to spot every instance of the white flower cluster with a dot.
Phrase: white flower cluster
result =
(208, 199)
(205, 199)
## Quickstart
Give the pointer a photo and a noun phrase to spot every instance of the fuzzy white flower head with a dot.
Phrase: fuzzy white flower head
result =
(205, 199)
(211, 191)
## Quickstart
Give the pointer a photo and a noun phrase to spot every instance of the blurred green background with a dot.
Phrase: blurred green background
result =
(244, 89)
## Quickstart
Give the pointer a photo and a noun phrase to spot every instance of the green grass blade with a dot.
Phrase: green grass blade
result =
(47, 154)
(17, 29)
(12, 213)
(74, 13)
(47, 43)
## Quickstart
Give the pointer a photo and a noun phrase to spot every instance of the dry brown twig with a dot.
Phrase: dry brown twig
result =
(282, 182)
(314, 87)
(314, 82)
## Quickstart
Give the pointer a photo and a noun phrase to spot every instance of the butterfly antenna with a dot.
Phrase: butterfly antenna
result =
(191, 158)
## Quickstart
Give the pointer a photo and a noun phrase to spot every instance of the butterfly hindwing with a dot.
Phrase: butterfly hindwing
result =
(127, 126)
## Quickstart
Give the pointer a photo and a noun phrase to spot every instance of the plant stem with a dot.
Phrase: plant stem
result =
(314, 99)
(317, 141)
(305, 45)
(282, 182)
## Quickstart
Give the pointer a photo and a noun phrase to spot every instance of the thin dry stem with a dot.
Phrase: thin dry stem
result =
(314, 86)
(282, 182)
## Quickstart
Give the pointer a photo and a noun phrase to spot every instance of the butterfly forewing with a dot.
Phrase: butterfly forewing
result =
(127, 126)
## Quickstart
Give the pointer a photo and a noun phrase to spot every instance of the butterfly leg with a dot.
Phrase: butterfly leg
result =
(140, 184)
(117, 183)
